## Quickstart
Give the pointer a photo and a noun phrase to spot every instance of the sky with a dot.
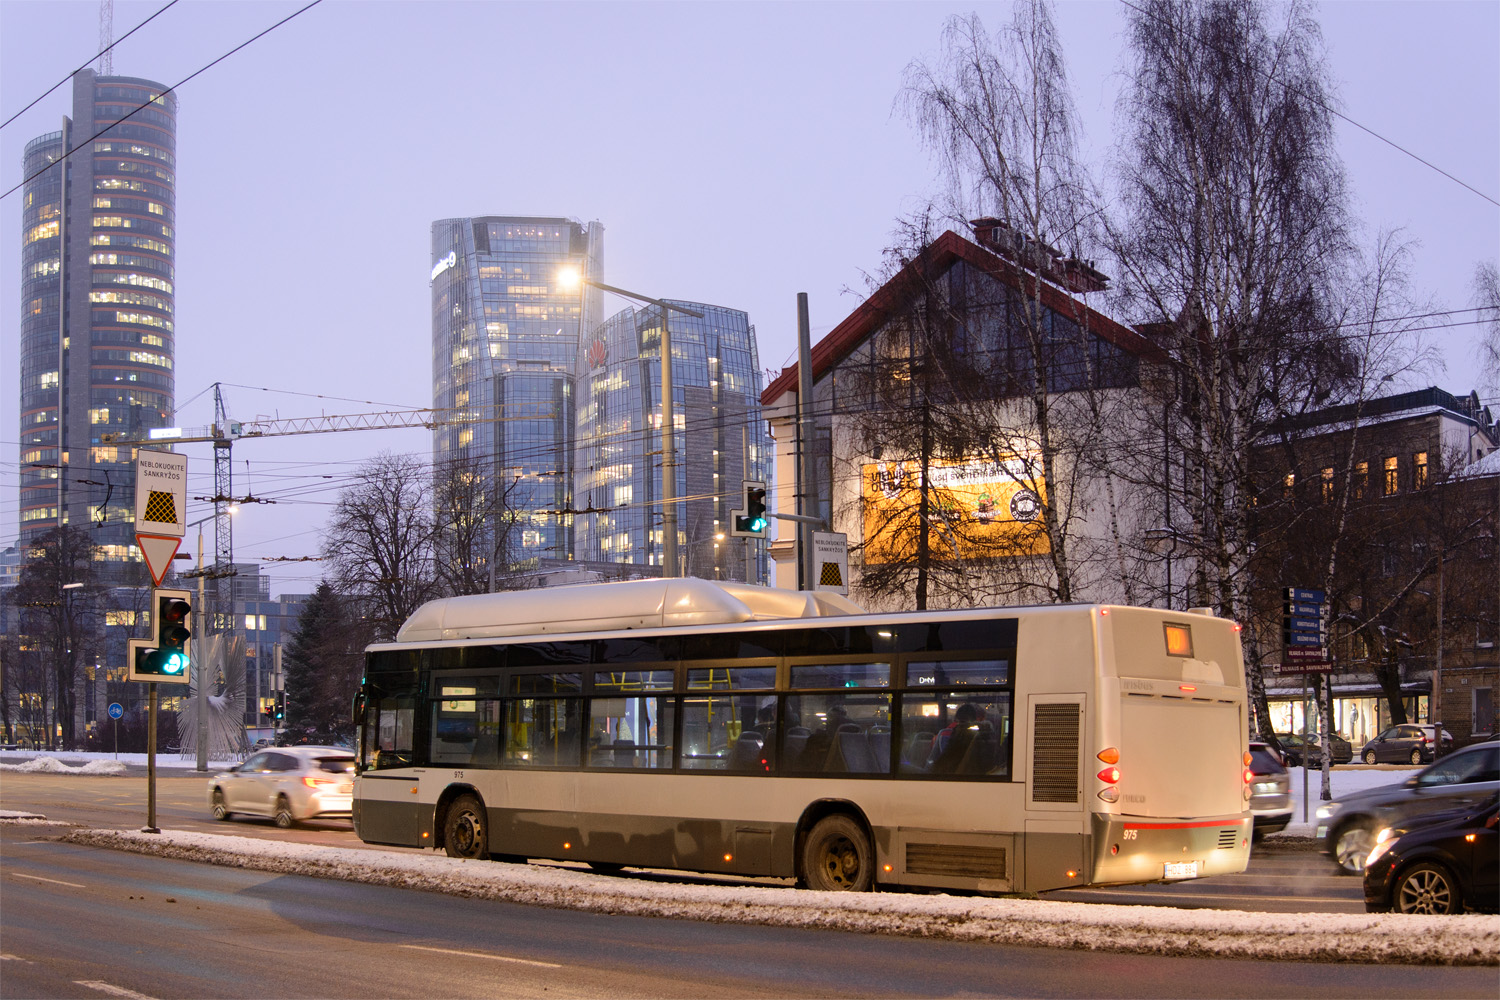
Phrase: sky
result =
(736, 153)
(1469, 939)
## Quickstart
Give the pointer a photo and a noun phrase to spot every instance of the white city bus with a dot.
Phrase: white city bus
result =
(725, 728)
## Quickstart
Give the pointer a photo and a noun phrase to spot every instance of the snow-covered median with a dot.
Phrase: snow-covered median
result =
(1469, 939)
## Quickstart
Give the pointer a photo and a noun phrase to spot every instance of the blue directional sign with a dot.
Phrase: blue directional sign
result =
(1305, 610)
(1298, 594)
(116, 710)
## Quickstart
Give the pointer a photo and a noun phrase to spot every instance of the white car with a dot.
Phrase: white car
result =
(288, 784)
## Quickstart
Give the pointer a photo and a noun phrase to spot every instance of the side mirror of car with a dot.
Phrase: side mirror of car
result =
(1411, 782)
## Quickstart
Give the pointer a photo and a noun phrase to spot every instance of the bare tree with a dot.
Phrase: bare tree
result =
(379, 541)
(1000, 114)
(1486, 285)
(1235, 231)
(477, 526)
(61, 612)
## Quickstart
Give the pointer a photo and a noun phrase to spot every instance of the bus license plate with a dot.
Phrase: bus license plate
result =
(1180, 869)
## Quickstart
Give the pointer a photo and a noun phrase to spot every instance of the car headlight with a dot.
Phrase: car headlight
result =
(1326, 810)
(1383, 841)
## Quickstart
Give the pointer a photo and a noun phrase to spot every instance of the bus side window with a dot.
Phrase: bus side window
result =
(543, 732)
(728, 719)
(393, 732)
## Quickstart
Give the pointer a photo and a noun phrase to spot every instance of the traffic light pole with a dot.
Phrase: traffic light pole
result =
(150, 826)
(201, 699)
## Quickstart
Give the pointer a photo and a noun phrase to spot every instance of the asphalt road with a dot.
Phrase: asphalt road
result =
(78, 921)
(1285, 876)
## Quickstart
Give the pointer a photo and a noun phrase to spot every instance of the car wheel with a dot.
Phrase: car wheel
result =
(1369, 756)
(1416, 756)
(836, 856)
(284, 817)
(1351, 845)
(220, 812)
(466, 829)
(1427, 887)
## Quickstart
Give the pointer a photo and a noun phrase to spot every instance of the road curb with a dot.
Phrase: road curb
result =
(1469, 939)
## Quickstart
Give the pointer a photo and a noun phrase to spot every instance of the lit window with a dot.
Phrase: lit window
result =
(1392, 483)
(1327, 484)
(1419, 470)
(250, 623)
(1288, 485)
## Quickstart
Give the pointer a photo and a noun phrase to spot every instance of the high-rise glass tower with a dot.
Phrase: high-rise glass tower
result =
(504, 344)
(97, 291)
(720, 440)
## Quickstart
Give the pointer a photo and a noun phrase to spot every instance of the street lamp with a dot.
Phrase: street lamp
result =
(569, 278)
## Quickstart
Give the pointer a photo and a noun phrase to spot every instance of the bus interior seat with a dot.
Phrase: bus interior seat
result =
(624, 753)
(880, 748)
(917, 749)
(796, 741)
(850, 752)
(745, 754)
(981, 754)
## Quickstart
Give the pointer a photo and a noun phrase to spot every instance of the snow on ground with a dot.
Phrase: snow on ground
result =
(1468, 939)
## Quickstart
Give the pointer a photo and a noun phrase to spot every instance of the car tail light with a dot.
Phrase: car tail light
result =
(312, 782)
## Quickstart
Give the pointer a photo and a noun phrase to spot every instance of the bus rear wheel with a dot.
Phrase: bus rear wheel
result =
(466, 830)
(837, 857)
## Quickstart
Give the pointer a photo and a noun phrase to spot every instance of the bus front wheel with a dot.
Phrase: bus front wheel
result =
(836, 856)
(466, 831)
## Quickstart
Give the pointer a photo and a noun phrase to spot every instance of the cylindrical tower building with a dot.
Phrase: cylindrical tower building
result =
(97, 297)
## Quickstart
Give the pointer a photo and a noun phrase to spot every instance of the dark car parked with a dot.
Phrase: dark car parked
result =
(1404, 744)
(1441, 863)
(1299, 747)
(1463, 779)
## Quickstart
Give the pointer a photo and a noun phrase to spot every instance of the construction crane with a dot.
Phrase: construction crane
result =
(223, 432)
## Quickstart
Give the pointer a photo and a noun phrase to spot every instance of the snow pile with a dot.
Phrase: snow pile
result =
(1470, 939)
(52, 765)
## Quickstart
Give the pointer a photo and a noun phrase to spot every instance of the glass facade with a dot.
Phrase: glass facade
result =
(504, 346)
(97, 309)
(719, 438)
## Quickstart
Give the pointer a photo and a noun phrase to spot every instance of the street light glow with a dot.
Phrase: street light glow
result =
(568, 278)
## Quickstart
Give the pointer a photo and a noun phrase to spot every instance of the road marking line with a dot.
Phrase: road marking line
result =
(54, 881)
(480, 954)
(14, 958)
(112, 990)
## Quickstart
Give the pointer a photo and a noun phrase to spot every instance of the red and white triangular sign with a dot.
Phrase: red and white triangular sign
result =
(158, 551)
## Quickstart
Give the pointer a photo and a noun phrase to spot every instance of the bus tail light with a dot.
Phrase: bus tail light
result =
(1110, 794)
(1109, 755)
(1110, 775)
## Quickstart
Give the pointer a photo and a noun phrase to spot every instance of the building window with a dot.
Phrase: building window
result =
(1484, 711)
(1419, 470)
(1391, 484)
(1288, 485)
(1361, 479)
(1326, 484)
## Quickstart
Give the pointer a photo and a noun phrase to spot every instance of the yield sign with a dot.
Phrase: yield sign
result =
(158, 551)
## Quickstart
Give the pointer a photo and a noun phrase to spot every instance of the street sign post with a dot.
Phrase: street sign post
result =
(160, 508)
(831, 561)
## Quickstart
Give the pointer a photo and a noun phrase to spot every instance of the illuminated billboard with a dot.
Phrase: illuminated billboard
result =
(979, 509)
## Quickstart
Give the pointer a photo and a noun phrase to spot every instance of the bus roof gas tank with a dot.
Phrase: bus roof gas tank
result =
(630, 604)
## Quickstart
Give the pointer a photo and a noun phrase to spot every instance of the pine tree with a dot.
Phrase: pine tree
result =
(322, 666)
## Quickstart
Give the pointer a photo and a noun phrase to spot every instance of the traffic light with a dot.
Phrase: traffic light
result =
(750, 520)
(167, 658)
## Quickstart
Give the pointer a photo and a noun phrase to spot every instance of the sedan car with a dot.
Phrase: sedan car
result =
(1444, 862)
(1270, 791)
(287, 784)
(1299, 751)
(1463, 779)
(1404, 744)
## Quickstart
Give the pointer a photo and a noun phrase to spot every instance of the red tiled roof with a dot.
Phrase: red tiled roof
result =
(936, 258)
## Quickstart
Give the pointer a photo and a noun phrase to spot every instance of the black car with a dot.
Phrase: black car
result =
(1300, 747)
(1404, 744)
(1462, 780)
(1440, 863)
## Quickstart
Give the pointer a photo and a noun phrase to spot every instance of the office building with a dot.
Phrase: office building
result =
(504, 344)
(719, 439)
(97, 290)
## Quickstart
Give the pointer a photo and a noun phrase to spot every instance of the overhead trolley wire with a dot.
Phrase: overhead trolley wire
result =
(141, 107)
(70, 76)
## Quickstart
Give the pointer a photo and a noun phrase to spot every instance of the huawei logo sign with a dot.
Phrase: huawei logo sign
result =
(595, 353)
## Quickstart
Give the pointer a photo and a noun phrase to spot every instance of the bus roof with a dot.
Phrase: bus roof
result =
(599, 607)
